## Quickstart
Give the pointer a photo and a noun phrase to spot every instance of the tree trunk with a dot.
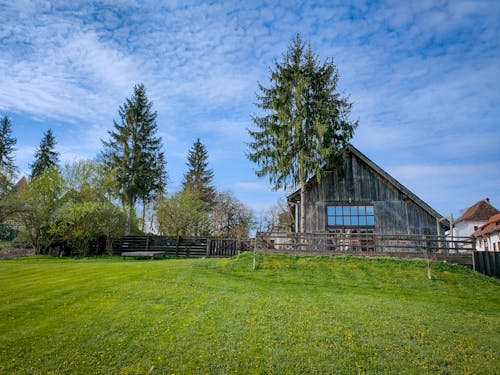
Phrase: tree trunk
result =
(143, 215)
(109, 245)
(129, 218)
(302, 208)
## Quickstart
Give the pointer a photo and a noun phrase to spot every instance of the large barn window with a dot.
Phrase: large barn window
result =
(350, 216)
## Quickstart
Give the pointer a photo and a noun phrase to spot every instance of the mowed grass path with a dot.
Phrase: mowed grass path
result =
(290, 315)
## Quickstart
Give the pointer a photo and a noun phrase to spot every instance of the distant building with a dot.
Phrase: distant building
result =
(20, 185)
(488, 235)
(473, 218)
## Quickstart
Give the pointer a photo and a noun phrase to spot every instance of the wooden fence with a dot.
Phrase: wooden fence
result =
(487, 262)
(181, 246)
(367, 244)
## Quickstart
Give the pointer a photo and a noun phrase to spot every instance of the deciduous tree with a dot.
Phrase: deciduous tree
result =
(38, 204)
(230, 217)
(182, 214)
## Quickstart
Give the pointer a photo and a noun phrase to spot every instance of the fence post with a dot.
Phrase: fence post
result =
(208, 247)
(474, 260)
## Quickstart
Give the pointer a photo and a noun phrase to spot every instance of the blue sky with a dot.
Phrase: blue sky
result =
(424, 77)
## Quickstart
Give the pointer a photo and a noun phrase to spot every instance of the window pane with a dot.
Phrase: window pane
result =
(370, 220)
(338, 220)
(330, 210)
(347, 210)
(362, 220)
(338, 210)
(331, 220)
(354, 220)
(361, 210)
(369, 210)
(347, 220)
(354, 210)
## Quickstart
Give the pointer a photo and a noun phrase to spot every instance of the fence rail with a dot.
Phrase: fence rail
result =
(317, 243)
(181, 246)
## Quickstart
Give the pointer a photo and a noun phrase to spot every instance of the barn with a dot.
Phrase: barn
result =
(361, 197)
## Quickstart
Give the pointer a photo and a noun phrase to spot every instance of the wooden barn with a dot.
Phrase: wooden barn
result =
(363, 198)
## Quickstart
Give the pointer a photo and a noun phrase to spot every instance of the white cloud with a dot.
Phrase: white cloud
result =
(423, 76)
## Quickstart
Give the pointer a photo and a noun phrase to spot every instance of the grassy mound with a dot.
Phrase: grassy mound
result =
(290, 315)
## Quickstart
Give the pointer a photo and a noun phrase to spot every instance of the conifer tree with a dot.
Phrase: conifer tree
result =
(7, 170)
(134, 152)
(45, 157)
(305, 124)
(198, 179)
(7, 142)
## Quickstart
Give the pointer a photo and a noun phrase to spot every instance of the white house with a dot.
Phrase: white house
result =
(473, 218)
(488, 235)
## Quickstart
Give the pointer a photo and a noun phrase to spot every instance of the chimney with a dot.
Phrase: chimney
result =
(487, 200)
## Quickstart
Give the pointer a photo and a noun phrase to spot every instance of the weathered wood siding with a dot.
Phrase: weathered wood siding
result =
(394, 212)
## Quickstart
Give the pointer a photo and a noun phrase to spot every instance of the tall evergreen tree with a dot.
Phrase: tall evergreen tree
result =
(134, 152)
(305, 124)
(7, 142)
(198, 179)
(7, 170)
(45, 157)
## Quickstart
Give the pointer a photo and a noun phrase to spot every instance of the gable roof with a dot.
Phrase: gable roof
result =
(481, 211)
(389, 180)
(20, 185)
(491, 226)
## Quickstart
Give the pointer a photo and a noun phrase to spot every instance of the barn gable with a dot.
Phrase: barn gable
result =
(364, 197)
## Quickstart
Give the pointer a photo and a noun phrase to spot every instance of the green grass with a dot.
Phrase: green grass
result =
(290, 315)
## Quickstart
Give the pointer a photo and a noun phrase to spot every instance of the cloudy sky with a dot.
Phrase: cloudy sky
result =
(424, 77)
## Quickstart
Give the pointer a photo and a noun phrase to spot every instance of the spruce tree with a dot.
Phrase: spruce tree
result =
(198, 179)
(134, 152)
(305, 124)
(7, 142)
(45, 157)
(7, 169)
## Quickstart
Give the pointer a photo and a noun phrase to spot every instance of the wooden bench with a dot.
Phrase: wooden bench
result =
(144, 254)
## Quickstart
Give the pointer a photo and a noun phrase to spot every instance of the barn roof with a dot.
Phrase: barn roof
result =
(388, 179)
(481, 211)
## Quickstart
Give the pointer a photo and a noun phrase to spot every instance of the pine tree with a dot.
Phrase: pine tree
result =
(198, 179)
(7, 142)
(134, 152)
(305, 124)
(45, 157)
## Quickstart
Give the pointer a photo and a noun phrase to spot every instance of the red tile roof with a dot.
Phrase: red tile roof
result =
(481, 211)
(491, 226)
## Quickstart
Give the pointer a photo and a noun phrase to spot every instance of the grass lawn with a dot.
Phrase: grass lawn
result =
(290, 315)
